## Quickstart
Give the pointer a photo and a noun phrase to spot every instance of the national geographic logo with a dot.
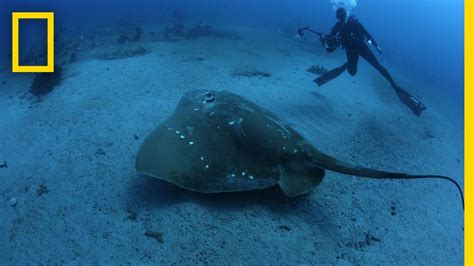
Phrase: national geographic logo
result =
(49, 17)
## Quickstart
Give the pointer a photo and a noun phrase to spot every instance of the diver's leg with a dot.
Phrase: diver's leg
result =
(370, 57)
(331, 74)
(352, 60)
(414, 104)
(351, 66)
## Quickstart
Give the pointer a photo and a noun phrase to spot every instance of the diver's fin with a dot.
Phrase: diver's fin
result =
(331, 74)
(413, 103)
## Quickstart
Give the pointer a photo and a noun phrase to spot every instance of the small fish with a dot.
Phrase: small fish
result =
(4, 165)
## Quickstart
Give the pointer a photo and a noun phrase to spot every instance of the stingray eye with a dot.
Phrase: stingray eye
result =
(208, 97)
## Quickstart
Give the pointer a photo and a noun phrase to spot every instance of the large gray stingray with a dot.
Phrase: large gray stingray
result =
(217, 141)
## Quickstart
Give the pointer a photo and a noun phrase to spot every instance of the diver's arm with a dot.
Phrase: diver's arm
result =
(334, 31)
(369, 38)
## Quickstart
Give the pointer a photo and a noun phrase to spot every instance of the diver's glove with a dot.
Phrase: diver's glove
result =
(414, 104)
(374, 44)
(378, 49)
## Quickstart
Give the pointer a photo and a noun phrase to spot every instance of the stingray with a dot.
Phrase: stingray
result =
(217, 141)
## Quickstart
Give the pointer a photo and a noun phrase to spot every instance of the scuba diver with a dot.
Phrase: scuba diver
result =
(350, 33)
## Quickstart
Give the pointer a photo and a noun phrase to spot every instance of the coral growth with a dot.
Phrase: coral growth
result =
(125, 53)
(45, 82)
(137, 35)
(318, 70)
(123, 38)
(201, 31)
(250, 74)
(197, 31)
(175, 31)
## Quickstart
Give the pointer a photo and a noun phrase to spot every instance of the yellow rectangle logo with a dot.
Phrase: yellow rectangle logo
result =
(16, 16)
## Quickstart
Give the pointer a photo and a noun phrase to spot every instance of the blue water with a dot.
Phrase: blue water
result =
(426, 35)
(71, 193)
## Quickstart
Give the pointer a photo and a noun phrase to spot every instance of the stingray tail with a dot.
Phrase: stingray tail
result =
(407, 176)
(335, 165)
(445, 178)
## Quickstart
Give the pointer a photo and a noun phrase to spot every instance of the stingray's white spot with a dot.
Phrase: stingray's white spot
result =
(191, 142)
(284, 148)
(207, 166)
(232, 175)
(170, 129)
(177, 132)
(202, 158)
(231, 123)
(295, 151)
(13, 202)
(251, 177)
(196, 109)
(243, 173)
(182, 136)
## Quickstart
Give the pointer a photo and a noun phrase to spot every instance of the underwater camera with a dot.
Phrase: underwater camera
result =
(331, 43)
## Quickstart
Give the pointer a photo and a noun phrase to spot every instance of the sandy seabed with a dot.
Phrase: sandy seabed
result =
(79, 199)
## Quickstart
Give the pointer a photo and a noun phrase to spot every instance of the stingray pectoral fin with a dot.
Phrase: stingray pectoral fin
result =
(298, 178)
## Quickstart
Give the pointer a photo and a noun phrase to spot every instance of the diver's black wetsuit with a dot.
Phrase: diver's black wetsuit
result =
(353, 36)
